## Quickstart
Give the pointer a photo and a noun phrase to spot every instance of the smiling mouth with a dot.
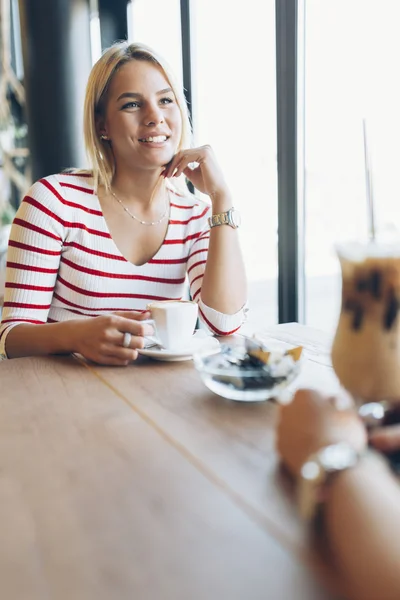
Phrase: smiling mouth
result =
(159, 139)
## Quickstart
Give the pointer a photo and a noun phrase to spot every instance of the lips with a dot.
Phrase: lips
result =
(157, 139)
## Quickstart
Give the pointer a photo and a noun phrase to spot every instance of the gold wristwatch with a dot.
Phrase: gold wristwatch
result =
(317, 472)
(231, 217)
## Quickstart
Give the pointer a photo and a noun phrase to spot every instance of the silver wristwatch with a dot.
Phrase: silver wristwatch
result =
(317, 472)
(231, 217)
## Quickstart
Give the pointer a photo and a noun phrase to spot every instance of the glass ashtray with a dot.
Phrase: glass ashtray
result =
(234, 374)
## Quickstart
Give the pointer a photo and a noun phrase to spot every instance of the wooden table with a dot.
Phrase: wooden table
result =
(138, 483)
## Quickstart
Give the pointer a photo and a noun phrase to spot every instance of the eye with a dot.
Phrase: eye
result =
(166, 100)
(132, 104)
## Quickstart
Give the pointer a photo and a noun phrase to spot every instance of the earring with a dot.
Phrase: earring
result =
(104, 138)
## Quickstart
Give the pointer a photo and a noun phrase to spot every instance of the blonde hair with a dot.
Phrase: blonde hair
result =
(99, 153)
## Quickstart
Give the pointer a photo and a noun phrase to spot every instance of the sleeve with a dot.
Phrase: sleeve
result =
(217, 322)
(33, 258)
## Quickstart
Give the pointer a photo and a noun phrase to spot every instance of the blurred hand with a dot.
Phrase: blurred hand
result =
(100, 339)
(386, 439)
(312, 421)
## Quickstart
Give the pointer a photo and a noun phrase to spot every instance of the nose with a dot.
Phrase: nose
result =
(153, 115)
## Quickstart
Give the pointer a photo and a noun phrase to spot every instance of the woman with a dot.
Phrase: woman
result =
(103, 243)
(359, 503)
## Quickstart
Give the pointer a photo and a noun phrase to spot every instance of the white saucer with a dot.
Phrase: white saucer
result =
(201, 342)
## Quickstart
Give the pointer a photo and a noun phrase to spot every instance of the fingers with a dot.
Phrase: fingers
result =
(133, 325)
(134, 315)
(305, 397)
(307, 394)
(180, 167)
(386, 439)
(113, 361)
(183, 167)
(172, 166)
(190, 172)
(109, 348)
(182, 159)
(113, 356)
(116, 355)
(137, 342)
(110, 361)
(342, 401)
(116, 338)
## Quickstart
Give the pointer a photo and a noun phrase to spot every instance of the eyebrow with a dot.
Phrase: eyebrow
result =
(137, 95)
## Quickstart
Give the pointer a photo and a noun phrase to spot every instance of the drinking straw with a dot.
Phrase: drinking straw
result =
(369, 184)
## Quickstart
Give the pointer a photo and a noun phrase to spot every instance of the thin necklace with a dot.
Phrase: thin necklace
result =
(148, 223)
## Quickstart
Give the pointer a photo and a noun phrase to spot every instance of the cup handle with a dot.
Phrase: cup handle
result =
(151, 340)
(148, 322)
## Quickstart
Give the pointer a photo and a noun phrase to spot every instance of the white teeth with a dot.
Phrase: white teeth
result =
(158, 139)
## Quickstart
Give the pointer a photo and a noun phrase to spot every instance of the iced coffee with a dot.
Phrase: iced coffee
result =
(366, 348)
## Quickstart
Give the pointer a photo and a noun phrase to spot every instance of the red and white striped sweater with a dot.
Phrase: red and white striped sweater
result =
(62, 262)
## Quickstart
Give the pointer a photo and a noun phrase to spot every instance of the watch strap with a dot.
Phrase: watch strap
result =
(222, 218)
(317, 473)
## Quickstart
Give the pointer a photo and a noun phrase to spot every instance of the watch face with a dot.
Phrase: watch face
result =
(338, 457)
(236, 219)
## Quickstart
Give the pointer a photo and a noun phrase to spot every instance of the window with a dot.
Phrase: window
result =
(234, 102)
(157, 23)
(352, 51)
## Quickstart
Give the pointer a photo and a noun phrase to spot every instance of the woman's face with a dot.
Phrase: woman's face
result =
(142, 119)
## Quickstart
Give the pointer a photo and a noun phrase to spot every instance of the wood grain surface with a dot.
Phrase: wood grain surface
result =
(138, 483)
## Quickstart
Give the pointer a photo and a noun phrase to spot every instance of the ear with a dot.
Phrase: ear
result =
(101, 128)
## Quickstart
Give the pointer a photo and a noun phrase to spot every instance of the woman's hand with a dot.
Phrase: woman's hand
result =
(100, 339)
(312, 421)
(207, 176)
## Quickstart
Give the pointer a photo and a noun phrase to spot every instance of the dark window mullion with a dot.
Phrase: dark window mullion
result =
(113, 15)
(187, 61)
(290, 160)
(187, 53)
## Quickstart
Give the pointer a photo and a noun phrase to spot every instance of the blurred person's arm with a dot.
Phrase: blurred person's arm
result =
(362, 524)
(361, 513)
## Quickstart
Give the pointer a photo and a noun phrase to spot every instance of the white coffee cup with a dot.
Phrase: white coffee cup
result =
(174, 322)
